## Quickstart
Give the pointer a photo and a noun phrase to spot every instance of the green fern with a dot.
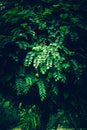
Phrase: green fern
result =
(29, 58)
(42, 89)
(20, 86)
(24, 83)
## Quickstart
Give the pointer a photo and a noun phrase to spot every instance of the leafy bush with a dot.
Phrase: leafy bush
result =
(42, 47)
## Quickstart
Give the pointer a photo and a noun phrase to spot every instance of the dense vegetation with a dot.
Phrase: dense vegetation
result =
(43, 64)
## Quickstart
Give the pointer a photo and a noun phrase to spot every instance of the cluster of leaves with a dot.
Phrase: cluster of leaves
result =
(23, 83)
(51, 61)
(29, 118)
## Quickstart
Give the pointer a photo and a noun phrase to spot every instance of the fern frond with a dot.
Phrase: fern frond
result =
(42, 89)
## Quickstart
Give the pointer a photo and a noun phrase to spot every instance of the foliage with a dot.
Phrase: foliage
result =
(29, 118)
(8, 114)
(42, 47)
